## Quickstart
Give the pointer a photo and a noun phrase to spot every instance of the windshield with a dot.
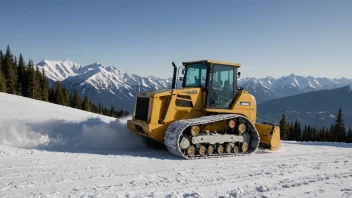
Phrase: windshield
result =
(195, 75)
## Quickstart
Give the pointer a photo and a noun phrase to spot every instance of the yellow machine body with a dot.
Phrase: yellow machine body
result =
(163, 107)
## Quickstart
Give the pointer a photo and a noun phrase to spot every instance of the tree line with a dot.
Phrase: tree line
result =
(19, 78)
(335, 133)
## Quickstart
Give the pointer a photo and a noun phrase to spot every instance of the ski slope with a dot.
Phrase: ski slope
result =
(48, 150)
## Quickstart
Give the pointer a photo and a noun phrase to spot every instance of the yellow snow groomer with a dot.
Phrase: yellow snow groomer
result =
(209, 116)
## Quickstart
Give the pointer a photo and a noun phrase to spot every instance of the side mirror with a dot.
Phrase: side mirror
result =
(183, 71)
(239, 74)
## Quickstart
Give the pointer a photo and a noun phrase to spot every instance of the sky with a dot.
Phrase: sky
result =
(268, 38)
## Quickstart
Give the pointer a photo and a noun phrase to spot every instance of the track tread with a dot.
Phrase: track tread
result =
(175, 130)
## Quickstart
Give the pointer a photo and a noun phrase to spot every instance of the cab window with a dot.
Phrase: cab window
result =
(196, 75)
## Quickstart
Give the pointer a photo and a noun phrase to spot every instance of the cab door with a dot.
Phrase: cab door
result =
(222, 87)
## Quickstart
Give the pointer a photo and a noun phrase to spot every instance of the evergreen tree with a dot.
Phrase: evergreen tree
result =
(314, 134)
(2, 77)
(349, 136)
(331, 133)
(76, 100)
(66, 96)
(299, 132)
(37, 87)
(9, 72)
(44, 87)
(1, 61)
(283, 127)
(2, 82)
(309, 133)
(85, 105)
(59, 96)
(112, 112)
(322, 135)
(295, 135)
(30, 80)
(100, 110)
(21, 76)
(52, 95)
(290, 135)
(14, 69)
(340, 130)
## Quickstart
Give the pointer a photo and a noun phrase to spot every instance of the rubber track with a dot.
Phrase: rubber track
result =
(175, 130)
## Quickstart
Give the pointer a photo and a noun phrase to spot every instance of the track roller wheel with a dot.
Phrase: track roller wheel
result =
(232, 124)
(242, 128)
(202, 150)
(228, 148)
(220, 149)
(191, 151)
(195, 130)
(236, 149)
(211, 149)
(245, 147)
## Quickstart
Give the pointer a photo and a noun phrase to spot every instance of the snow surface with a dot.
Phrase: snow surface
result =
(47, 150)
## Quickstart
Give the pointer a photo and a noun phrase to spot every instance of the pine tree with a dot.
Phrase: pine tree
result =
(309, 133)
(59, 96)
(290, 135)
(37, 87)
(30, 80)
(14, 69)
(52, 95)
(112, 111)
(21, 76)
(295, 131)
(2, 77)
(9, 73)
(283, 127)
(1, 61)
(44, 87)
(76, 100)
(299, 132)
(349, 136)
(66, 96)
(85, 105)
(2, 82)
(314, 134)
(100, 111)
(340, 130)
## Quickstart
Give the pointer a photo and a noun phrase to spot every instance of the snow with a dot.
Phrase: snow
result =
(59, 70)
(310, 84)
(28, 123)
(48, 150)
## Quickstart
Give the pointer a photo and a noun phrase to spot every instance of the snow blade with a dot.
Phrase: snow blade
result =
(269, 136)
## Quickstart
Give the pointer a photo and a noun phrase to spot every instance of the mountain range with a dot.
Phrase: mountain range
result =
(265, 89)
(316, 108)
(110, 86)
(102, 84)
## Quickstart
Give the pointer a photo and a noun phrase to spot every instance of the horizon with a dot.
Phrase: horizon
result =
(271, 38)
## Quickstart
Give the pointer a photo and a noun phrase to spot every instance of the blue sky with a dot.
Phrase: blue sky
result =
(273, 38)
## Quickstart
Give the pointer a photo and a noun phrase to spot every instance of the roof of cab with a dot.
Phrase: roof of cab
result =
(214, 62)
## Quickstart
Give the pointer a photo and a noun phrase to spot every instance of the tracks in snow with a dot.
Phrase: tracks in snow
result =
(272, 174)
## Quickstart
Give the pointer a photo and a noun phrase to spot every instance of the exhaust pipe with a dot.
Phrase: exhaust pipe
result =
(173, 86)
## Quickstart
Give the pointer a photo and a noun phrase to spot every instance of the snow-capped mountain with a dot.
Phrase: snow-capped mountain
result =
(268, 88)
(60, 70)
(110, 86)
(102, 84)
